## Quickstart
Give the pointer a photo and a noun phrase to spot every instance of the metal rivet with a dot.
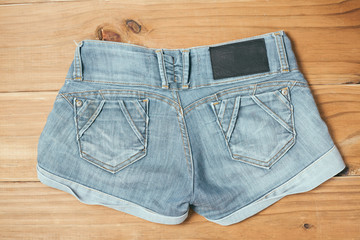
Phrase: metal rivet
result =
(284, 91)
(78, 102)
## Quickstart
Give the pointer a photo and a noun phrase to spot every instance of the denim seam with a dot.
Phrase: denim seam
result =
(87, 121)
(174, 106)
(284, 55)
(232, 113)
(95, 190)
(65, 98)
(263, 104)
(100, 93)
(207, 98)
(281, 185)
(174, 98)
(137, 108)
(77, 130)
(222, 117)
(142, 150)
(182, 137)
(286, 64)
(284, 83)
(135, 84)
(292, 118)
(242, 78)
(282, 149)
(220, 127)
(235, 88)
(80, 149)
(164, 70)
(295, 82)
(91, 119)
(194, 86)
(141, 153)
(238, 79)
(183, 70)
(279, 53)
(228, 144)
(128, 94)
(187, 136)
(94, 92)
(132, 123)
(83, 110)
(302, 171)
(233, 118)
(282, 101)
(78, 73)
(212, 97)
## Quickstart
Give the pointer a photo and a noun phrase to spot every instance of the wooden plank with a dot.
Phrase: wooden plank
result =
(17, 2)
(23, 116)
(38, 46)
(32, 210)
(339, 107)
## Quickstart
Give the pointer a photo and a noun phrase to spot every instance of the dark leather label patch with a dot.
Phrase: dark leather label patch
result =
(239, 59)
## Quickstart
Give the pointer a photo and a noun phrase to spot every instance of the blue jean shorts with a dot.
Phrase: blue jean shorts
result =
(225, 129)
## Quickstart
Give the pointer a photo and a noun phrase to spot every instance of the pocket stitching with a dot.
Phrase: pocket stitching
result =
(91, 119)
(272, 160)
(291, 141)
(131, 122)
(140, 109)
(223, 109)
(270, 112)
(82, 110)
(142, 150)
(233, 118)
(276, 93)
(99, 163)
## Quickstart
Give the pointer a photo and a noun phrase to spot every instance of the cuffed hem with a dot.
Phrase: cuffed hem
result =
(322, 169)
(94, 197)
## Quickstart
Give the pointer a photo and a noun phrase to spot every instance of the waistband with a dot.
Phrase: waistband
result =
(98, 61)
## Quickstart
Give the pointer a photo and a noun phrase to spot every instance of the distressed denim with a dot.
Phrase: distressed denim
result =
(153, 132)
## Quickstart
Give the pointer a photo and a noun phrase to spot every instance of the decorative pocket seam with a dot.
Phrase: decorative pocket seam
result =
(131, 122)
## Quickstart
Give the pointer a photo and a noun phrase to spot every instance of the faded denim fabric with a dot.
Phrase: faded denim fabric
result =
(155, 132)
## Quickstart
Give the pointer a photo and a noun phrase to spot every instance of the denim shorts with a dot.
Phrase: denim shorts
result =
(226, 129)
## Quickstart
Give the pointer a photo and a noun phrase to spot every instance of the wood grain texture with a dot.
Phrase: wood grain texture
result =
(37, 49)
(38, 45)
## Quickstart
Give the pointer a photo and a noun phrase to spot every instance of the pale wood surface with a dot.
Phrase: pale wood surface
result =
(36, 51)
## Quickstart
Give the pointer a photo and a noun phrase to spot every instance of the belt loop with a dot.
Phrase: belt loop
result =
(186, 65)
(279, 40)
(77, 74)
(160, 57)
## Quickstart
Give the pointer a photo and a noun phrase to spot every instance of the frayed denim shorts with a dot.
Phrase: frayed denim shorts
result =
(225, 129)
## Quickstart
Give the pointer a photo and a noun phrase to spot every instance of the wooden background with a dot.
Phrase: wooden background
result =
(36, 51)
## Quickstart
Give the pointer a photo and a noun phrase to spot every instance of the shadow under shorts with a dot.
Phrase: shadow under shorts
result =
(225, 129)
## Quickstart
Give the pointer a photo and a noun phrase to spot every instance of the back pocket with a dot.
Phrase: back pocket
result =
(258, 129)
(111, 134)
